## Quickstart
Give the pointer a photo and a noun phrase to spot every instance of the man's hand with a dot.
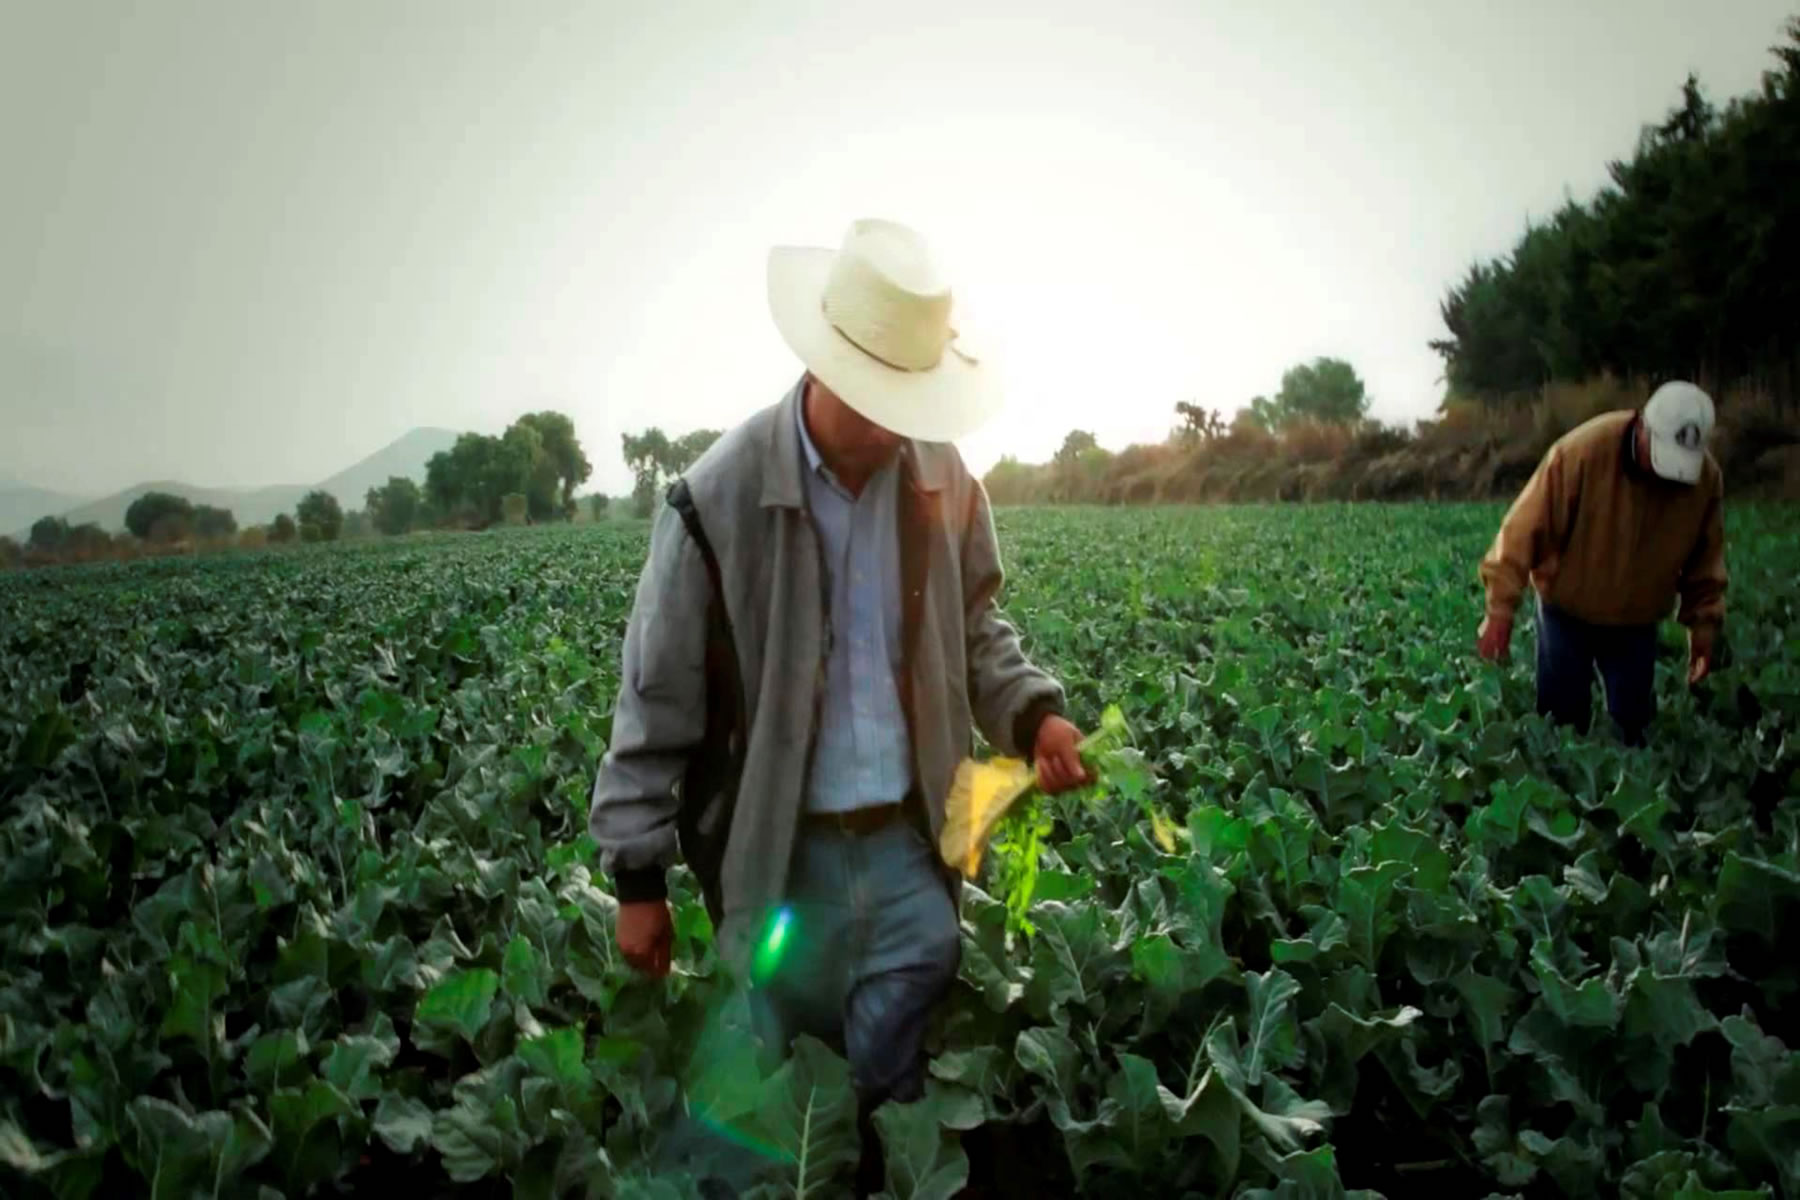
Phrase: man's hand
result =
(1057, 755)
(1700, 654)
(1494, 639)
(646, 933)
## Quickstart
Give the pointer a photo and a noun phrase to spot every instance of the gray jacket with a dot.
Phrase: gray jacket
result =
(962, 664)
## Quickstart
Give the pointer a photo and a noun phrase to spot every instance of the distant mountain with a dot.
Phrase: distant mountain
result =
(252, 507)
(405, 456)
(21, 504)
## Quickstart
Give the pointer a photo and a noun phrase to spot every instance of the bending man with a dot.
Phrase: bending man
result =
(1624, 515)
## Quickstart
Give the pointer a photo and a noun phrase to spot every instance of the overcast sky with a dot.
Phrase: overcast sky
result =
(245, 242)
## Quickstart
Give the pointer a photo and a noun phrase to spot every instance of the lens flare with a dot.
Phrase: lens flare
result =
(774, 943)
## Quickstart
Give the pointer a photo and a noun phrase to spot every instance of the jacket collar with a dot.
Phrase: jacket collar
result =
(925, 466)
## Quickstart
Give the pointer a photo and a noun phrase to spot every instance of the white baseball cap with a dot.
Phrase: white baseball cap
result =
(1679, 419)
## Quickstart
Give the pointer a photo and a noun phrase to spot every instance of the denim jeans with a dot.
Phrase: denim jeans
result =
(1570, 650)
(871, 945)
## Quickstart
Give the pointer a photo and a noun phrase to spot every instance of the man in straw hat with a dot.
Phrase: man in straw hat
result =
(1624, 515)
(813, 641)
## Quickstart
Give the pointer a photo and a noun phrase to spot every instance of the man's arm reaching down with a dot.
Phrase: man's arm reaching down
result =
(660, 717)
(1703, 577)
(1528, 536)
(1703, 583)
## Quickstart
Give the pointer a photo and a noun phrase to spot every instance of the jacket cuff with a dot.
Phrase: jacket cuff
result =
(1025, 727)
(1500, 610)
(640, 884)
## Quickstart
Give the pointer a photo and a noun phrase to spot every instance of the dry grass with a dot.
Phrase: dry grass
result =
(1468, 451)
(1316, 442)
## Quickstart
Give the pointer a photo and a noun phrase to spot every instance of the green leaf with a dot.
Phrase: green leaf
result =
(1770, 1136)
(1763, 1069)
(1271, 1036)
(925, 1160)
(1664, 1009)
(1215, 835)
(1486, 1002)
(1591, 1004)
(1049, 1054)
(355, 1061)
(1495, 826)
(807, 1117)
(1757, 897)
(402, 1122)
(1282, 1117)
(1072, 958)
(48, 735)
(1305, 1175)
(1501, 1150)
(524, 972)
(461, 1002)
(1212, 1112)
(1415, 849)
(558, 1055)
(1641, 811)
(1337, 1040)
(477, 1139)
(1136, 1129)
(181, 1151)
(297, 1110)
(984, 1073)
(1170, 971)
(1365, 898)
(1575, 1166)
(987, 962)
(17, 1151)
(276, 1059)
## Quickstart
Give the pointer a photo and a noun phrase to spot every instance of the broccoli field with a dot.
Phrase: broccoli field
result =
(298, 897)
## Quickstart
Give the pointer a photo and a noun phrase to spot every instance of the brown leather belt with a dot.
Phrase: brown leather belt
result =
(858, 822)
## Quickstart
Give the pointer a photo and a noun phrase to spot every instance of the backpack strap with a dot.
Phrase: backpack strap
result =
(709, 787)
(682, 501)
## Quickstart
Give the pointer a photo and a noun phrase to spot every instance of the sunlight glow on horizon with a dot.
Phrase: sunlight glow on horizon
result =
(449, 222)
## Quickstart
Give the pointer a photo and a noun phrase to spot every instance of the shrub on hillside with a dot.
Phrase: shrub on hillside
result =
(159, 517)
(319, 517)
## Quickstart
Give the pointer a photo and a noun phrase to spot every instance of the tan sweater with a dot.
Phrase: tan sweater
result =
(1607, 541)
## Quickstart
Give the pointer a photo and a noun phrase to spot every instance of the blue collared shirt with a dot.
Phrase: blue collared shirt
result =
(863, 755)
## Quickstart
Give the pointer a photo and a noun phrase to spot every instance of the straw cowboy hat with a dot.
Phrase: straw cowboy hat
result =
(874, 322)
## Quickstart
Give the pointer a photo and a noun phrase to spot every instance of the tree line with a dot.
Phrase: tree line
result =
(527, 475)
(1325, 392)
(1682, 266)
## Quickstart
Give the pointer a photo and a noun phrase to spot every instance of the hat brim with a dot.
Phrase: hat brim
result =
(950, 401)
(1672, 461)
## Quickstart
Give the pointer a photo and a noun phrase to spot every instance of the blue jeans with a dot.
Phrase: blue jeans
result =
(871, 945)
(1569, 651)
